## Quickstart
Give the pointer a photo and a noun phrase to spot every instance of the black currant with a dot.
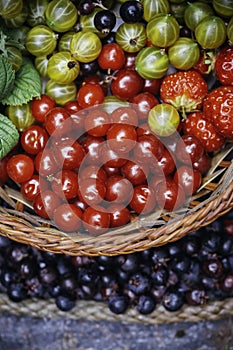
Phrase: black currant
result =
(131, 11)
(118, 304)
(65, 303)
(105, 21)
(86, 7)
(173, 300)
(146, 304)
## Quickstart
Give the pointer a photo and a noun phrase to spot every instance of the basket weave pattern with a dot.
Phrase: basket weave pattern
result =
(93, 311)
(141, 234)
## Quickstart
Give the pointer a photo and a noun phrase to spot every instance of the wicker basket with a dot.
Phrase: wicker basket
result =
(93, 311)
(214, 199)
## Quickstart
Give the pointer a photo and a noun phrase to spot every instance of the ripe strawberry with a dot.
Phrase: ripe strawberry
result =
(224, 65)
(185, 90)
(205, 64)
(218, 108)
(198, 125)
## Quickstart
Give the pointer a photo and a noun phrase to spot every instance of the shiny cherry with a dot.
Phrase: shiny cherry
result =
(188, 149)
(143, 200)
(93, 148)
(119, 215)
(143, 103)
(41, 106)
(169, 195)
(91, 191)
(118, 189)
(45, 203)
(189, 178)
(126, 83)
(125, 115)
(45, 163)
(92, 171)
(34, 139)
(65, 184)
(148, 149)
(111, 57)
(97, 122)
(68, 153)
(121, 137)
(135, 173)
(96, 220)
(68, 217)
(58, 122)
(20, 167)
(31, 188)
(90, 95)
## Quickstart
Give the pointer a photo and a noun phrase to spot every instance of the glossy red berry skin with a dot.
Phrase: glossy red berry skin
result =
(126, 84)
(68, 217)
(41, 106)
(34, 139)
(96, 220)
(200, 126)
(20, 167)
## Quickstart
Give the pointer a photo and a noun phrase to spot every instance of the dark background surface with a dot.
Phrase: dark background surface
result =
(27, 333)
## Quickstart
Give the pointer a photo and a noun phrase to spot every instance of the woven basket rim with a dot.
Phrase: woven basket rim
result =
(99, 311)
(15, 225)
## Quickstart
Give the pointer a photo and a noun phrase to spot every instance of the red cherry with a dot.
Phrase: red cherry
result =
(119, 216)
(68, 153)
(169, 195)
(91, 191)
(97, 122)
(143, 200)
(20, 167)
(118, 189)
(121, 137)
(65, 184)
(68, 217)
(126, 83)
(188, 178)
(45, 163)
(45, 203)
(96, 220)
(188, 149)
(135, 173)
(41, 106)
(31, 188)
(58, 122)
(111, 57)
(93, 148)
(143, 103)
(125, 115)
(90, 95)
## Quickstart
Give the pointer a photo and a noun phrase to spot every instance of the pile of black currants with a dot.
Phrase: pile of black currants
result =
(191, 271)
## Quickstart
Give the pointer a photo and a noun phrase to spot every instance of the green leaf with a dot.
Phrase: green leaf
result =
(7, 77)
(9, 136)
(27, 85)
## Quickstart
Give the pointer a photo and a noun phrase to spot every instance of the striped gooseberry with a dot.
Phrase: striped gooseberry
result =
(61, 15)
(163, 119)
(131, 37)
(152, 63)
(41, 41)
(211, 32)
(163, 30)
(184, 54)
(85, 46)
(62, 67)
(195, 12)
(153, 7)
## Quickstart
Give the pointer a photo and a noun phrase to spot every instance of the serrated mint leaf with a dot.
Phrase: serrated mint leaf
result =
(27, 85)
(7, 78)
(9, 136)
